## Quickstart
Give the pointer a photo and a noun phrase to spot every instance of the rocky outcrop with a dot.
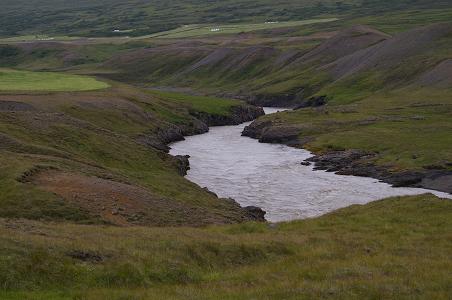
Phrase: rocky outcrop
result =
(281, 135)
(255, 213)
(312, 102)
(239, 114)
(267, 132)
(440, 180)
(288, 99)
(182, 164)
(359, 163)
(170, 133)
(161, 137)
(339, 161)
(255, 129)
(296, 99)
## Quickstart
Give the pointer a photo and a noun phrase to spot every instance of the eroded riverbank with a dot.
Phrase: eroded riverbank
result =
(270, 176)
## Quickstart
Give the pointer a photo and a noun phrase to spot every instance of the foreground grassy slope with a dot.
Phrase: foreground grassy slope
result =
(396, 248)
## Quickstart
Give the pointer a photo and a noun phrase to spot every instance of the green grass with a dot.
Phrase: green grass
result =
(14, 80)
(397, 248)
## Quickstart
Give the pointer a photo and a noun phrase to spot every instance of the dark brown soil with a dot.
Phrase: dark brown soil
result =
(119, 203)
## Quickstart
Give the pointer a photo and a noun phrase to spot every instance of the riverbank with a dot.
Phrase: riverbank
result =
(404, 146)
(270, 176)
(98, 157)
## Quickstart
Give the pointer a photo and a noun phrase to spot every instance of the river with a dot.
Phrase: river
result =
(270, 176)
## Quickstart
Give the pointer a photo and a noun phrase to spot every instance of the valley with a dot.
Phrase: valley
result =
(94, 203)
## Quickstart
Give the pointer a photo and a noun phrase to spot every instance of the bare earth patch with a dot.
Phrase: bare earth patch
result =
(116, 203)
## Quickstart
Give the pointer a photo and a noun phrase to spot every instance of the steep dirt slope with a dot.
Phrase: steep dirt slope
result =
(343, 43)
(391, 52)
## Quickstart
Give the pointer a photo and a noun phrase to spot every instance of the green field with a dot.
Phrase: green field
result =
(36, 38)
(13, 80)
(217, 29)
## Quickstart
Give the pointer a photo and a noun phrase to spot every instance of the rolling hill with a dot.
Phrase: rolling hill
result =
(139, 17)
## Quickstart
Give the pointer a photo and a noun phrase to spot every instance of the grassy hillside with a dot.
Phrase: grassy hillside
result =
(96, 157)
(138, 17)
(396, 248)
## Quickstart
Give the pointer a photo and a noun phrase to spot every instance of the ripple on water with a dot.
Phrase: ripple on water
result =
(270, 176)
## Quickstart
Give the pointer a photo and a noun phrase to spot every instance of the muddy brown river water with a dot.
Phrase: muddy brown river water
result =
(270, 176)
